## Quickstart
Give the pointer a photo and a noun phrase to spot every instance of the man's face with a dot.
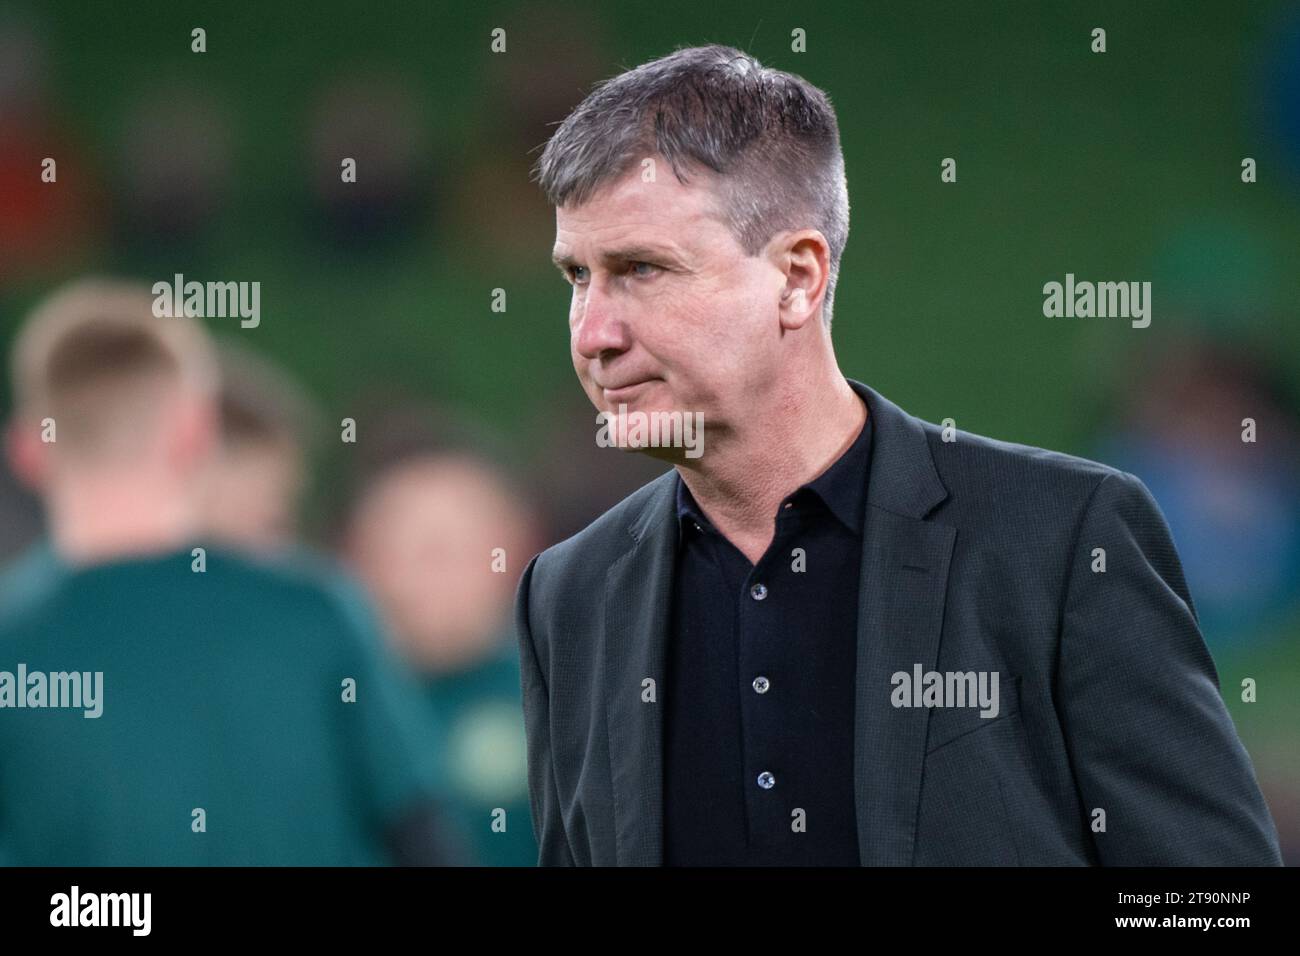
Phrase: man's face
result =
(668, 312)
(252, 494)
(409, 541)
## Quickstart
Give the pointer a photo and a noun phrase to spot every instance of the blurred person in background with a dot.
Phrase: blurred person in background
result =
(1233, 508)
(494, 212)
(438, 534)
(373, 119)
(173, 163)
(242, 714)
(48, 184)
(268, 424)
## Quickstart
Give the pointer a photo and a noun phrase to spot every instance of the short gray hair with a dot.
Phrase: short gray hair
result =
(771, 136)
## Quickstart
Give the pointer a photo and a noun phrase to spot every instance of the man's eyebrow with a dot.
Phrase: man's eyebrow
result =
(624, 254)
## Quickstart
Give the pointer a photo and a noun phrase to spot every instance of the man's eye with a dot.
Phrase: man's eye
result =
(578, 273)
(644, 269)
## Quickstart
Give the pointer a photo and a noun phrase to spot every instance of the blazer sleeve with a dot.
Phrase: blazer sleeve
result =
(1149, 737)
(548, 823)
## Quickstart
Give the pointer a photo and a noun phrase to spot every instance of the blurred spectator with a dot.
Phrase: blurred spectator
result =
(242, 714)
(174, 158)
(554, 54)
(268, 424)
(373, 120)
(1233, 506)
(440, 537)
(44, 225)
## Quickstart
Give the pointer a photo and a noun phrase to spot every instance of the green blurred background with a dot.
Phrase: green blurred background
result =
(1124, 165)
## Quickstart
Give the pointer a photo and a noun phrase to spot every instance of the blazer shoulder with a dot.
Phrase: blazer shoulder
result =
(972, 464)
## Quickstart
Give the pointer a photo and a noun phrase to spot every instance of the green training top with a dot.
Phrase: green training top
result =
(245, 714)
(480, 709)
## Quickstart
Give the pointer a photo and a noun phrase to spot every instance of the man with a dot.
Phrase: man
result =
(259, 473)
(438, 537)
(769, 655)
(209, 710)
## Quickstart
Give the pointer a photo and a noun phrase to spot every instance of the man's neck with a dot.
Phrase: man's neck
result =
(94, 521)
(741, 485)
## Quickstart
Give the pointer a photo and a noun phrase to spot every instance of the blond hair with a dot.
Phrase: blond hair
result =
(95, 359)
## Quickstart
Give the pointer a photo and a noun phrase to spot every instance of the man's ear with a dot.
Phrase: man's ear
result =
(27, 455)
(804, 257)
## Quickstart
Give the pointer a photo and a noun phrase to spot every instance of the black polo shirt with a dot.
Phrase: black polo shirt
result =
(758, 725)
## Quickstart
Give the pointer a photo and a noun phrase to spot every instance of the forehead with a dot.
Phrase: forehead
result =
(683, 215)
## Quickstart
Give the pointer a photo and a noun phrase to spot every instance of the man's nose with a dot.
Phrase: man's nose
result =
(600, 328)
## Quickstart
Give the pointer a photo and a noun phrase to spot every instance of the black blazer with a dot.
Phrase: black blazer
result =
(1111, 745)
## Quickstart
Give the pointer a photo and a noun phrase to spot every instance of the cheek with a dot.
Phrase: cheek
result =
(736, 338)
(707, 325)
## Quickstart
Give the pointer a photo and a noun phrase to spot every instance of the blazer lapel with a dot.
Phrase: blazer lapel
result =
(905, 562)
(638, 591)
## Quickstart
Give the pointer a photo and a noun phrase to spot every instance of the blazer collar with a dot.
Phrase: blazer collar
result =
(901, 597)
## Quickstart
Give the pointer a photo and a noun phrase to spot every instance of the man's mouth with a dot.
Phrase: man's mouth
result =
(623, 393)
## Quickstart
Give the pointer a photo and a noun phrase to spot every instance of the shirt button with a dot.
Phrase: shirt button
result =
(758, 592)
(766, 780)
(761, 685)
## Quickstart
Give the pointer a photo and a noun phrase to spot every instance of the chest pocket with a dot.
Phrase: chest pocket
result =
(951, 723)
